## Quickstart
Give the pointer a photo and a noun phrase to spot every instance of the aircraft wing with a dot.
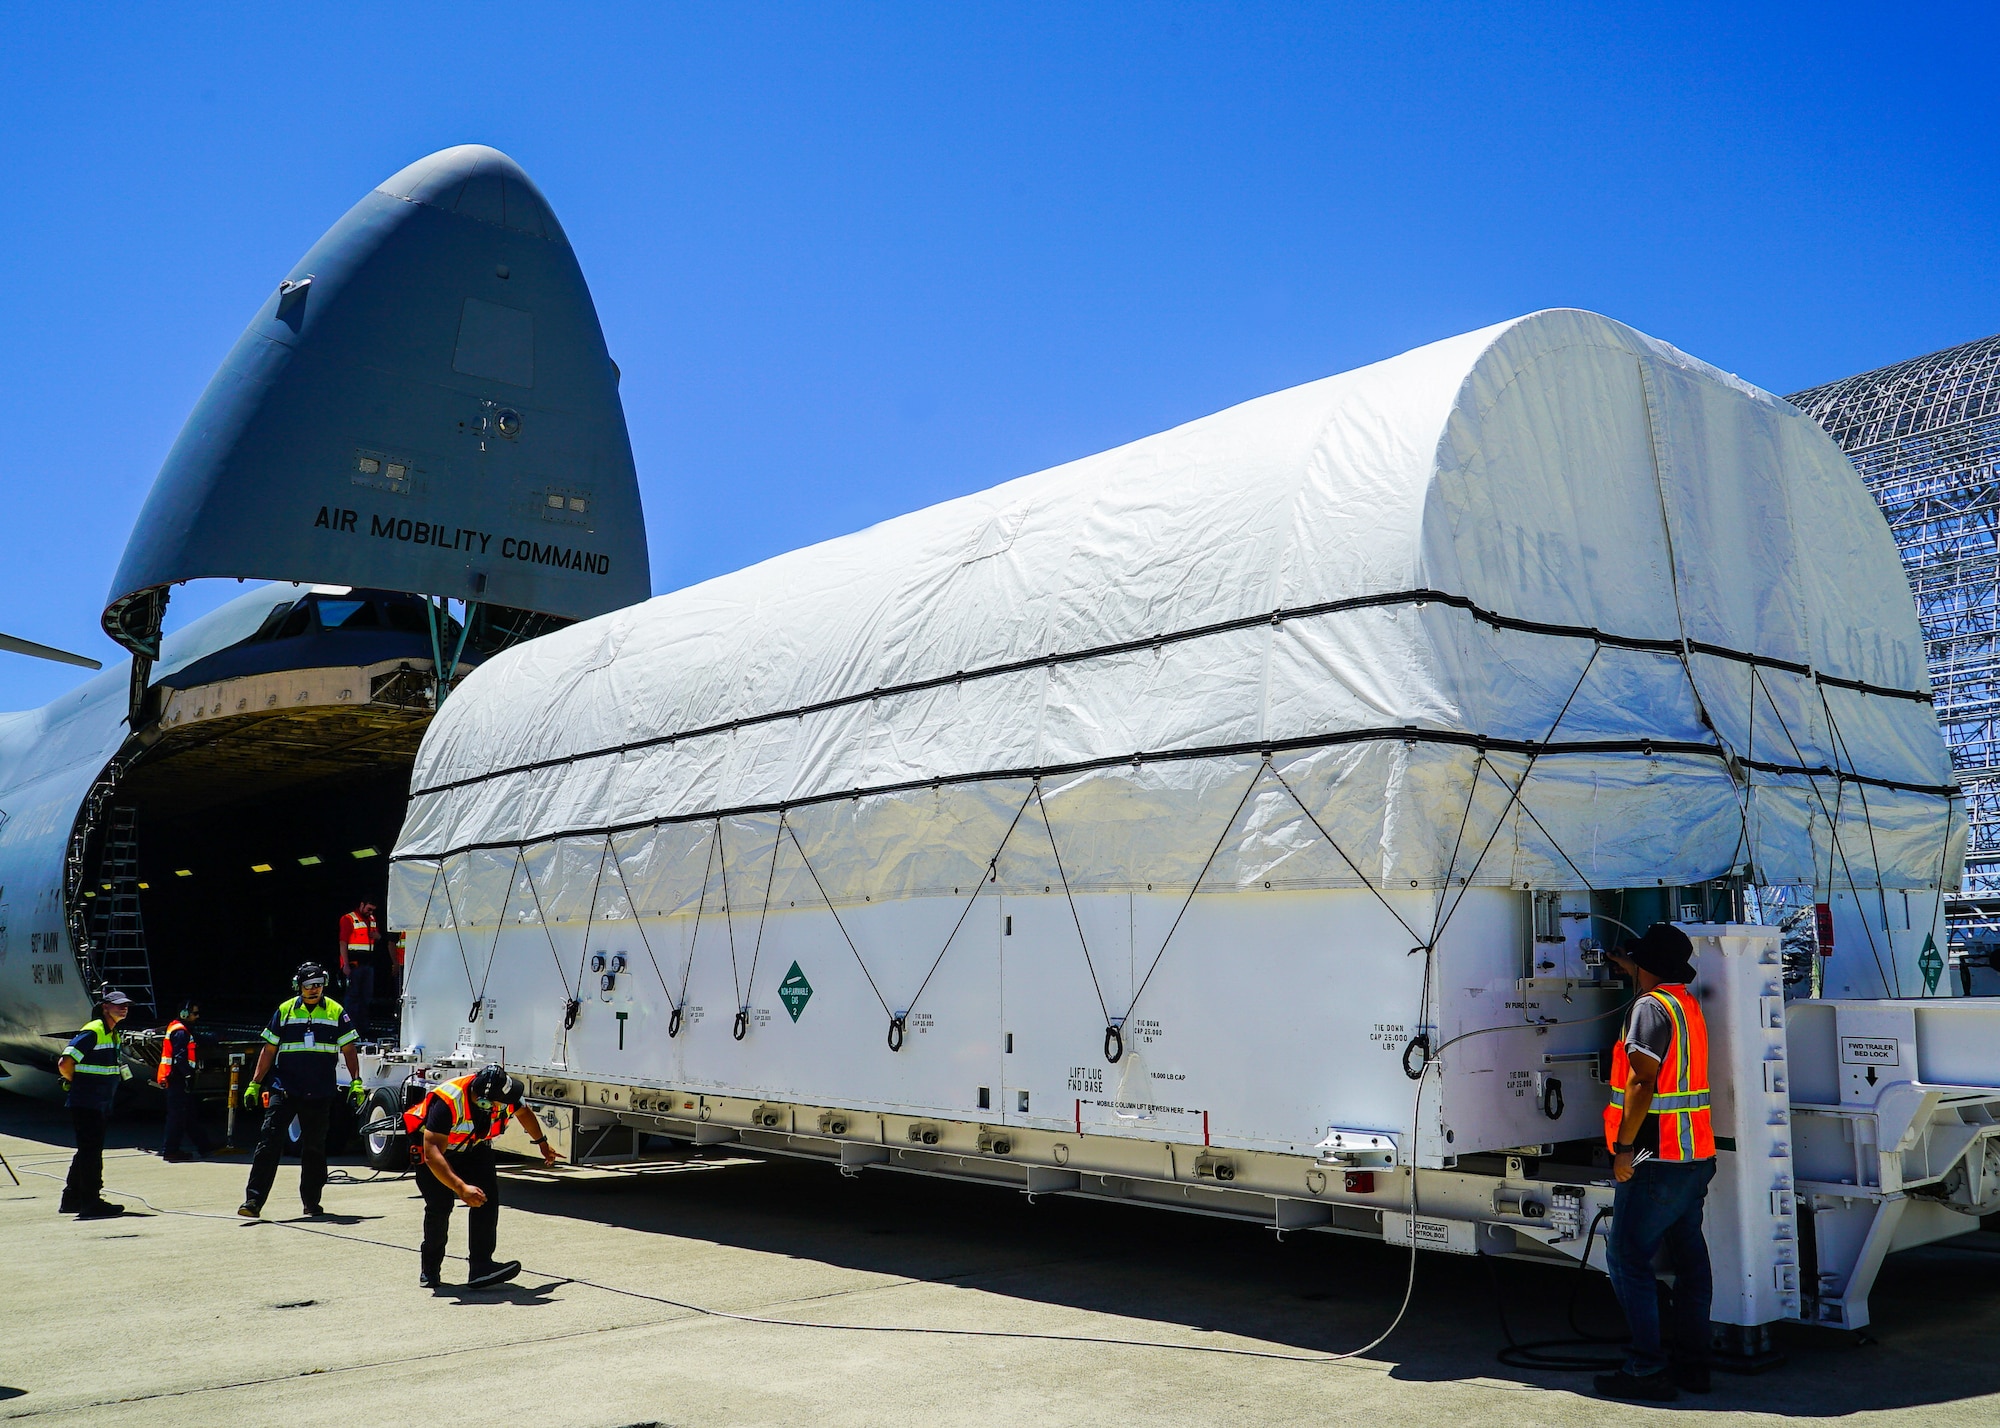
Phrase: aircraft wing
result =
(12, 645)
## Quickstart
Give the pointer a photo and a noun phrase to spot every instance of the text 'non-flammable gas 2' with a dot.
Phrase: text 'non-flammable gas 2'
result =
(341, 521)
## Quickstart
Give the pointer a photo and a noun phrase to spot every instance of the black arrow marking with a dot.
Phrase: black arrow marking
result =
(1871, 1071)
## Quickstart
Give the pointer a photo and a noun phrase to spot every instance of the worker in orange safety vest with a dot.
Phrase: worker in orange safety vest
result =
(1658, 1130)
(454, 1128)
(360, 936)
(180, 1058)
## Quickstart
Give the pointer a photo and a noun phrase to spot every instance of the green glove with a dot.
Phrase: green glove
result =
(253, 1095)
(358, 1091)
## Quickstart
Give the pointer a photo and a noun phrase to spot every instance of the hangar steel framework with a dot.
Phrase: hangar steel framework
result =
(1925, 435)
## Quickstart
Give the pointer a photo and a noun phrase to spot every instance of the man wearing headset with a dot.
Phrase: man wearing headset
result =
(304, 1037)
(455, 1126)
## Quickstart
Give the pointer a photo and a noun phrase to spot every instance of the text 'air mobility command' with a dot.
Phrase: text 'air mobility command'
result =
(342, 521)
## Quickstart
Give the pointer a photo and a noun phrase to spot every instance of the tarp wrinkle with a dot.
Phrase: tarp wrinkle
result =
(1561, 469)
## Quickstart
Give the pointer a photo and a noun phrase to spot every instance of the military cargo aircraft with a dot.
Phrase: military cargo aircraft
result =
(418, 441)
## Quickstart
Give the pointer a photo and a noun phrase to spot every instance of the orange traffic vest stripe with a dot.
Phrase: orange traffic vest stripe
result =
(467, 1119)
(1681, 1097)
(167, 1052)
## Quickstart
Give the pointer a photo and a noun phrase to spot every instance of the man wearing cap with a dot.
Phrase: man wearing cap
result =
(455, 1126)
(1663, 1157)
(307, 1034)
(92, 1067)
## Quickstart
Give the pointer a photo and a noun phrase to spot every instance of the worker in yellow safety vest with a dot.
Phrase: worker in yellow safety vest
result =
(1662, 1145)
(92, 1067)
(455, 1127)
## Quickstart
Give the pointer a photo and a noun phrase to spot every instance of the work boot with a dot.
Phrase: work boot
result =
(175, 1157)
(102, 1210)
(1692, 1377)
(493, 1274)
(1652, 1388)
(428, 1278)
(250, 1210)
(315, 1210)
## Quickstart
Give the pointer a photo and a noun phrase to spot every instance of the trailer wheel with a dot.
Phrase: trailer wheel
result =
(386, 1150)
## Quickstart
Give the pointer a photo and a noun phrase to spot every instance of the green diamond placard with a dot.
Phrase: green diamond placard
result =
(1928, 961)
(795, 991)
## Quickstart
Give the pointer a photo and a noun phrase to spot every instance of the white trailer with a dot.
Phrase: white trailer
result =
(1234, 821)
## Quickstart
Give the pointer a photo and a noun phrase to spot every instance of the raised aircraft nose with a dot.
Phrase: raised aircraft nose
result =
(480, 183)
(423, 404)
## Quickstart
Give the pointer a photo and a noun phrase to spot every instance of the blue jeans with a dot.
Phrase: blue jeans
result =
(1661, 1205)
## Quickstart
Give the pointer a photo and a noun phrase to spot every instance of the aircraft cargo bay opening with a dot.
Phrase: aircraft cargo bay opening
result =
(260, 799)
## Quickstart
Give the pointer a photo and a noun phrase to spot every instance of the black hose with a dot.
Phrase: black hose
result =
(1416, 1043)
(570, 1009)
(1535, 1354)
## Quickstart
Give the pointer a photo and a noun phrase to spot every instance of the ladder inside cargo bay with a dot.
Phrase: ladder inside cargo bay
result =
(117, 931)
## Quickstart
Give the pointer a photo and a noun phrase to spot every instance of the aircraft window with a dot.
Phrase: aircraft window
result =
(348, 615)
(271, 621)
(406, 618)
(297, 622)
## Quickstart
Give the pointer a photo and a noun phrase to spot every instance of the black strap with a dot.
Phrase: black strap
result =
(1675, 647)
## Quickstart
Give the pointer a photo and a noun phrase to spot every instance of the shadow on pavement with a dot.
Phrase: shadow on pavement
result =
(1936, 1310)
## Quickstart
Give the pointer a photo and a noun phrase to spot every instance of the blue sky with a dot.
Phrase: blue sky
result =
(855, 259)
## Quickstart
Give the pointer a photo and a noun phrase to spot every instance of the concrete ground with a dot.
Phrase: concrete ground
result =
(979, 1309)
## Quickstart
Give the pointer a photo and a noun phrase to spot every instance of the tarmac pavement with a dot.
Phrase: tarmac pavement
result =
(905, 1301)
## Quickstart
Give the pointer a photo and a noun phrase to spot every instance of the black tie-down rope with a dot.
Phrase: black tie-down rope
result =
(899, 1019)
(1833, 837)
(639, 925)
(1420, 1044)
(583, 953)
(572, 1000)
(740, 1028)
(1049, 828)
(493, 952)
(1874, 853)
(1114, 1034)
(423, 925)
(457, 930)
(787, 827)
(675, 1004)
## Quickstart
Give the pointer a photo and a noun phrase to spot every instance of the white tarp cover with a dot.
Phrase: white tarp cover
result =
(1142, 627)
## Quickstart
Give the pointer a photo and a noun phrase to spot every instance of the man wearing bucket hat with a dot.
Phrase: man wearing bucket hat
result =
(1663, 1156)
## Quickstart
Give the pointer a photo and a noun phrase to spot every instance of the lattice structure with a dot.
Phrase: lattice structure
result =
(1925, 435)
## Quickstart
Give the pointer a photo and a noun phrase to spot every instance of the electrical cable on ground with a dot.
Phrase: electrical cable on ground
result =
(774, 1321)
